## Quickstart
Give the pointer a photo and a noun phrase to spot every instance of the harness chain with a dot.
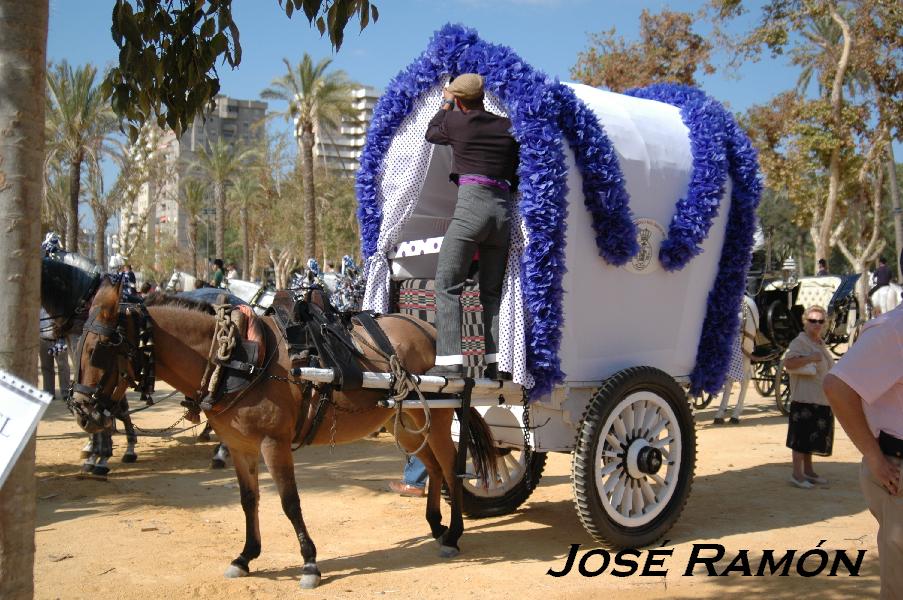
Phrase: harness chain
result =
(528, 450)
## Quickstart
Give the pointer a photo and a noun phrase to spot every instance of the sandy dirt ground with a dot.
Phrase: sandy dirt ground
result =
(167, 526)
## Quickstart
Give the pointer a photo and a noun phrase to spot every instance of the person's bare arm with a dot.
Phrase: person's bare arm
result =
(847, 407)
(798, 362)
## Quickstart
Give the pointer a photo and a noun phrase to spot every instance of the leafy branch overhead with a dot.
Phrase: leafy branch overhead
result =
(168, 53)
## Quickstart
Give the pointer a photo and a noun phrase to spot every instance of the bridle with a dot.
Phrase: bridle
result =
(116, 356)
(80, 309)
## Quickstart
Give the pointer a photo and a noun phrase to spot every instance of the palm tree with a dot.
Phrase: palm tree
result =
(23, 31)
(317, 101)
(55, 197)
(192, 196)
(78, 116)
(246, 194)
(220, 165)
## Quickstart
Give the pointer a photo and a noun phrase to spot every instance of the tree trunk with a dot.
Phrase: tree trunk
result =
(100, 240)
(307, 192)
(193, 244)
(75, 177)
(245, 243)
(896, 210)
(23, 50)
(823, 240)
(219, 197)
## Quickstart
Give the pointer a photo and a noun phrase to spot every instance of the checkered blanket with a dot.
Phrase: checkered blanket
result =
(417, 297)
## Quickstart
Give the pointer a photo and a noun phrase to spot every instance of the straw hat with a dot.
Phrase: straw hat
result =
(467, 86)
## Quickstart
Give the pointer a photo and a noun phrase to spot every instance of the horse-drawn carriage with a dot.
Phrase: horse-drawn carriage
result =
(627, 264)
(630, 244)
(781, 302)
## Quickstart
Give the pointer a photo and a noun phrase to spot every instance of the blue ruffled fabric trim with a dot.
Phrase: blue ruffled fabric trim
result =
(719, 148)
(542, 111)
(604, 192)
(693, 218)
(527, 95)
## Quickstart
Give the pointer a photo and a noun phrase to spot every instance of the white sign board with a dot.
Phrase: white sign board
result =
(21, 407)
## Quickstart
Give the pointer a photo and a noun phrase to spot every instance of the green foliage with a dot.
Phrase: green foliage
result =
(78, 119)
(168, 53)
(317, 101)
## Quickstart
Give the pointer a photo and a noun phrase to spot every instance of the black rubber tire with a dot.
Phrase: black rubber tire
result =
(583, 470)
(702, 401)
(480, 507)
(763, 377)
(782, 390)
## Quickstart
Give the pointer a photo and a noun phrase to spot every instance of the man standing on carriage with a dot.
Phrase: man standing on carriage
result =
(485, 171)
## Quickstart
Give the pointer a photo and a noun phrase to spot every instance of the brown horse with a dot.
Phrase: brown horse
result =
(264, 419)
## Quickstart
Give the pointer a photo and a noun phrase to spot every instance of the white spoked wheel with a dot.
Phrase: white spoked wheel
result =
(509, 490)
(637, 476)
(635, 458)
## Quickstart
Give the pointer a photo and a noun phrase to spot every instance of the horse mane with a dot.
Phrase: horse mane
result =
(63, 285)
(161, 299)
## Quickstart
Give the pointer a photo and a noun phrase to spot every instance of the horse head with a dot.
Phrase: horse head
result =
(110, 359)
(66, 293)
(175, 283)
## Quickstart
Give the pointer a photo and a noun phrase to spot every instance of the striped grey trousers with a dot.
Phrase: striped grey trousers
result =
(481, 222)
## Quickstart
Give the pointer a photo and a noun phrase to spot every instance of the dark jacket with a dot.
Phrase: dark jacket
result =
(481, 141)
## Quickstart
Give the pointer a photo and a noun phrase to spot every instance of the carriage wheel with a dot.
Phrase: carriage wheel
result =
(702, 400)
(782, 390)
(635, 458)
(509, 491)
(763, 377)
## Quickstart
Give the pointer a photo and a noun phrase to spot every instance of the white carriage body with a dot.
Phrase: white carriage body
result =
(614, 317)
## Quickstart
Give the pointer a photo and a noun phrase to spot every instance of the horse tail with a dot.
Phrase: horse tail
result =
(483, 452)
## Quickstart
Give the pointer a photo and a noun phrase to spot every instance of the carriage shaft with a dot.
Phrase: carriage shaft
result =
(426, 383)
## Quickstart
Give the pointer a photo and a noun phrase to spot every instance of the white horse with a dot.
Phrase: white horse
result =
(180, 282)
(743, 350)
(886, 298)
(254, 294)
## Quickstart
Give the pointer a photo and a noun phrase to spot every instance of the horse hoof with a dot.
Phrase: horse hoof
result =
(129, 457)
(309, 581)
(217, 463)
(234, 572)
(448, 551)
(204, 437)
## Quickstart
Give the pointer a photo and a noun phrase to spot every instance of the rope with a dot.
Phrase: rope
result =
(221, 346)
(403, 383)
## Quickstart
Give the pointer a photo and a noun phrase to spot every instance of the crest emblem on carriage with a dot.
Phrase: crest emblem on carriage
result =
(649, 236)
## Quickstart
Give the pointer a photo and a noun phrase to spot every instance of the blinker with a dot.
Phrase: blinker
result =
(102, 355)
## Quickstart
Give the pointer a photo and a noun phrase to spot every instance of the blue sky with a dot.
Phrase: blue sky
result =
(548, 34)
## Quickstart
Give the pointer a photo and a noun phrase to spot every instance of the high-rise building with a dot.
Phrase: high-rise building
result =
(234, 121)
(340, 150)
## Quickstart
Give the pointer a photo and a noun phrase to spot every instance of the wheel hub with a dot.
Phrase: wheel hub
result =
(642, 459)
(649, 460)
